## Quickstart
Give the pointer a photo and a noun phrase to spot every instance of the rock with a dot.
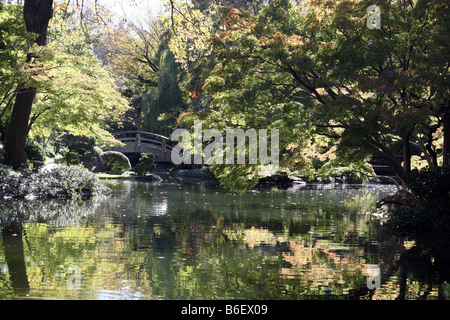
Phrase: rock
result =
(399, 199)
(195, 176)
(281, 180)
(149, 178)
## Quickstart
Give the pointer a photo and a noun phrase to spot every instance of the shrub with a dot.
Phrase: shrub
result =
(64, 181)
(80, 144)
(428, 219)
(61, 181)
(10, 181)
(34, 151)
(72, 158)
(146, 164)
(115, 162)
(430, 184)
(93, 162)
(74, 147)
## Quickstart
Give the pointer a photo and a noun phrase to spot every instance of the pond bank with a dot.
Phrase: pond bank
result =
(130, 177)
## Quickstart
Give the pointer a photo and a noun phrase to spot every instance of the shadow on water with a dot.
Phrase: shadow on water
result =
(428, 263)
(14, 214)
(14, 255)
(171, 241)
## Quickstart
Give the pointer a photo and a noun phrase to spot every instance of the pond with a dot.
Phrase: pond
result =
(171, 241)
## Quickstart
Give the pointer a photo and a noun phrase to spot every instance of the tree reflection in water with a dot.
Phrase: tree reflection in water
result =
(191, 242)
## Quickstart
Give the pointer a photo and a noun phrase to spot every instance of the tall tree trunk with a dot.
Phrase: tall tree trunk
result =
(18, 128)
(37, 14)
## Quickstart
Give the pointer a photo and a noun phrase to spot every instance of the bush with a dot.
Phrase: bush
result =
(427, 219)
(146, 164)
(115, 162)
(80, 144)
(74, 147)
(64, 181)
(61, 181)
(10, 181)
(430, 184)
(34, 151)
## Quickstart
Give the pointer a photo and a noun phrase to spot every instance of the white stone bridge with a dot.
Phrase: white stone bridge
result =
(144, 142)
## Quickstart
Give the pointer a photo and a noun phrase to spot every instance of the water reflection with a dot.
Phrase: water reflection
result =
(192, 242)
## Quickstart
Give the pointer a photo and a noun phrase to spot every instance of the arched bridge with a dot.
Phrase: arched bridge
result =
(144, 142)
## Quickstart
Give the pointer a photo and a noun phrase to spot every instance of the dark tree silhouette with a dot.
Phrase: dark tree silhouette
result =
(37, 14)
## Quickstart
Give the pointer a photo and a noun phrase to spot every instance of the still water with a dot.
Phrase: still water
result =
(169, 241)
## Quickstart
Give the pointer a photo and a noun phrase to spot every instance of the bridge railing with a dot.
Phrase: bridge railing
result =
(142, 138)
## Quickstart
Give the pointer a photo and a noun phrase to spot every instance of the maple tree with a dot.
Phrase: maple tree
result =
(37, 15)
(69, 88)
(340, 92)
(76, 91)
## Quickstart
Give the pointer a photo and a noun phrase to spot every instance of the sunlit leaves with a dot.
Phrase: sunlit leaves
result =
(131, 50)
(191, 29)
(317, 70)
(75, 90)
(14, 45)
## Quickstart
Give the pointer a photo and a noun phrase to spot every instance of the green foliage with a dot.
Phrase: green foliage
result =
(65, 181)
(237, 178)
(431, 184)
(146, 164)
(353, 172)
(34, 150)
(333, 87)
(338, 91)
(14, 44)
(427, 218)
(115, 162)
(445, 290)
(75, 91)
(161, 110)
(80, 144)
(61, 181)
(10, 181)
(74, 147)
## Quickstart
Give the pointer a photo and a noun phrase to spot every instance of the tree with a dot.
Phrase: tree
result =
(14, 44)
(72, 90)
(146, 70)
(394, 70)
(339, 91)
(36, 21)
(160, 110)
(131, 49)
(76, 91)
(37, 15)
(145, 165)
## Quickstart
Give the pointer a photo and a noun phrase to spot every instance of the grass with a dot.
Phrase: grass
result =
(114, 176)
